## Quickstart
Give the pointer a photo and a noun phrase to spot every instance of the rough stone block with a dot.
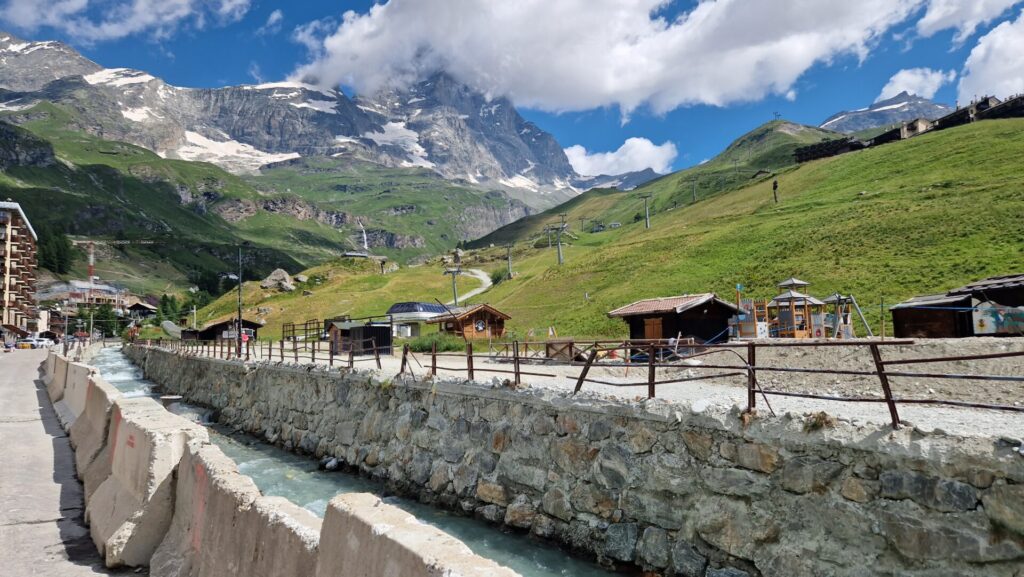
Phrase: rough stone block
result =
(726, 572)
(613, 466)
(859, 490)
(520, 513)
(807, 474)
(698, 444)
(686, 561)
(918, 535)
(940, 494)
(489, 492)
(738, 482)
(620, 541)
(757, 457)
(556, 504)
(1004, 504)
(653, 549)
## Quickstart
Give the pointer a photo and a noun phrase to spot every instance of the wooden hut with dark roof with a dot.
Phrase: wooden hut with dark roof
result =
(703, 317)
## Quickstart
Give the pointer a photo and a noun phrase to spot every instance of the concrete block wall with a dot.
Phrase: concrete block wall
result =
(159, 494)
(650, 484)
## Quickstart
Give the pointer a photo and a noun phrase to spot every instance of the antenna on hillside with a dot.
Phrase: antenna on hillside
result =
(694, 182)
(647, 212)
(778, 116)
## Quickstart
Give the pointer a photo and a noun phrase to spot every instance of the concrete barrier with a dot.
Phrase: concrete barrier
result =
(223, 526)
(72, 403)
(364, 537)
(48, 365)
(55, 386)
(90, 431)
(130, 510)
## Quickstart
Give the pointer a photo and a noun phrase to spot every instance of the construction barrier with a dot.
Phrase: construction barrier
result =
(90, 431)
(130, 511)
(55, 381)
(159, 494)
(223, 526)
(364, 537)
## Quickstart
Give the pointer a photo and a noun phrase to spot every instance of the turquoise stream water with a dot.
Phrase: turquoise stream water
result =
(279, 473)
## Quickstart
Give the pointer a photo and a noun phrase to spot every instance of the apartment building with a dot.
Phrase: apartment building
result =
(18, 258)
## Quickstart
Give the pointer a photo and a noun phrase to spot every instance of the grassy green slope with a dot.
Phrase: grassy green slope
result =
(340, 287)
(914, 217)
(754, 157)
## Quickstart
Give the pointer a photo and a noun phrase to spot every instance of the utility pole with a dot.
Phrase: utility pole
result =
(547, 229)
(508, 257)
(193, 317)
(238, 332)
(647, 211)
(694, 182)
(456, 271)
(561, 228)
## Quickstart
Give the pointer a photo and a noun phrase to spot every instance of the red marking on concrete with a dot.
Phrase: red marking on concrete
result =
(198, 506)
(131, 441)
(115, 424)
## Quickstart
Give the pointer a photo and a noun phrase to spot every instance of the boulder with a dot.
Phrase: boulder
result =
(279, 279)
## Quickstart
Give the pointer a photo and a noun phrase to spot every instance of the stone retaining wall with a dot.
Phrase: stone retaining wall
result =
(158, 493)
(654, 484)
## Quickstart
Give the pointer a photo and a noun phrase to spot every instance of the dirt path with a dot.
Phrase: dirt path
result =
(485, 284)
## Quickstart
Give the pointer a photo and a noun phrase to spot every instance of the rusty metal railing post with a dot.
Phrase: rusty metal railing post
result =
(248, 345)
(351, 356)
(330, 353)
(751, 377)
(884, 379)
(281, 343)
(651, 352)
(586, 369)
(312, 356)
(405, 358)
(469, 360)
(515, 362)
(433, 359)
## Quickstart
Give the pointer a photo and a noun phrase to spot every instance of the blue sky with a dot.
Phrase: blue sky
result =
(208, 43)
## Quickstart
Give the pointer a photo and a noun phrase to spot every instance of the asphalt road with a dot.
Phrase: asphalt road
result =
(42, 531)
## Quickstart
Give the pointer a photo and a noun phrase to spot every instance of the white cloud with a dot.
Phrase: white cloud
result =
(923, 82)
(963, 15)
(98, 20)
(273, 25)
(995, 66)
(635, 154)
(581, 54)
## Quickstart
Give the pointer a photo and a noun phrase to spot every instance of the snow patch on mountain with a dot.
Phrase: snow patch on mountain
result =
(139, 114)
(118, 77)
(238, 155)
(325, 106)
(291, 85)
(396, 134)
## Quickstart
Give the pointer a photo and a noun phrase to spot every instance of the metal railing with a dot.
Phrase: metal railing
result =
(651, 355)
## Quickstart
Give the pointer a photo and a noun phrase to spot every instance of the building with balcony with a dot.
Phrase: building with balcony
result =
(17, 272)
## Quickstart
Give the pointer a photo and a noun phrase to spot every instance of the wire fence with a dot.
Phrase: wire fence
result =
(664, 358)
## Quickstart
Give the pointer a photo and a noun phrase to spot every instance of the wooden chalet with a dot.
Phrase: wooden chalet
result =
(473, 322)
(703, 317)
(221, 330)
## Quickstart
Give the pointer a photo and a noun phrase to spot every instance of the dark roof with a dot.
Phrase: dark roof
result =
(463, 312)
(793, 282)
(676, 304)
(246, 323)
(142, 305)
(413, 307)
(926, 301)
(991, 283)
(794, 297)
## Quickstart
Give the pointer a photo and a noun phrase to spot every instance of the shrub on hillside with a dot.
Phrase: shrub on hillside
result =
(445, 343)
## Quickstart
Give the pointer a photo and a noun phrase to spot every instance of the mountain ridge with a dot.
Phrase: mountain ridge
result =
(900, 108)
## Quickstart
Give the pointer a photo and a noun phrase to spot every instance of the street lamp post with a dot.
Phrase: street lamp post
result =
(238, 331)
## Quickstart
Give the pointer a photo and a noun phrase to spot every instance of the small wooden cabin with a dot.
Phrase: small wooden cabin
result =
(222, 330)
(932, 316)
(474, 322)
(704, 317)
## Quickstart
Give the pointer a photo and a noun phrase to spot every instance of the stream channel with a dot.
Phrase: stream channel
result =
(279, 473)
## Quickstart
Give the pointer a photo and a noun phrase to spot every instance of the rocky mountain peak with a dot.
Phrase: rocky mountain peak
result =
(27, 65)
(900, 108)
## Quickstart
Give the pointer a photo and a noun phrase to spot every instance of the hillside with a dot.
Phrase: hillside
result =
(914, 217)
(344, 286)
(754, 157)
